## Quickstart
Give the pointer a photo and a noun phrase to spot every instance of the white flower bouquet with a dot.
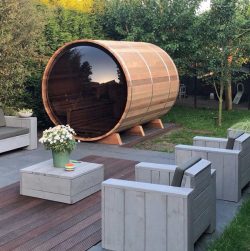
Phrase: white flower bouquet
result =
(59, 138)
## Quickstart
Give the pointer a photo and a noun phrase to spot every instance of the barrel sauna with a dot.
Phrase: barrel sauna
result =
(104, 87)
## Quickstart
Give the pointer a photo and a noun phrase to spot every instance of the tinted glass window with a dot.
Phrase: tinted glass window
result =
(87, 89)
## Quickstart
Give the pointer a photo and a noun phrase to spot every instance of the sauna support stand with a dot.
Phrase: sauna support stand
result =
(115, 138)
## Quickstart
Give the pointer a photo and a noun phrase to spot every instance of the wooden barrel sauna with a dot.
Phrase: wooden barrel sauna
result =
(102, 87)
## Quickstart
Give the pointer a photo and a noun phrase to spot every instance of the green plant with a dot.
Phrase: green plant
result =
(242, 125)
(59, 138)
(20, 37)
(9, 111)
(33, 98)
(24, 110)
(236, 235)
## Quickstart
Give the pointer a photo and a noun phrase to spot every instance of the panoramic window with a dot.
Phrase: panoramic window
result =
(87, 89)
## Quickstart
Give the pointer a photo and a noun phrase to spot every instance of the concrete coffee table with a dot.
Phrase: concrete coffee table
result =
(47, 182)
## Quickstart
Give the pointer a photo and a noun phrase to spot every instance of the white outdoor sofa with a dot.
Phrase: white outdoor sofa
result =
(232, 166)
(148, 214)
(17, 133)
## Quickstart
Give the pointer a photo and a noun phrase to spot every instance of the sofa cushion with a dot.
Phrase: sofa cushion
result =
(231, 140)
(2, 119)
(230, 143)
(179, 171)
(8, 132)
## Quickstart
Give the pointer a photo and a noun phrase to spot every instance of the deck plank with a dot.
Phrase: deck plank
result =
(34, 224)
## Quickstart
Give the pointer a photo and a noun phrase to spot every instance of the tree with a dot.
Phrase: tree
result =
(79, 5)
(85, 72)
(167, 23)
(18, 46)
(67, 25)
(224, 33)
(61, 26)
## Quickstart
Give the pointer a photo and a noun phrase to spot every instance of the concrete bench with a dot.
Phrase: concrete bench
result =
(232, 166)
(142, 216)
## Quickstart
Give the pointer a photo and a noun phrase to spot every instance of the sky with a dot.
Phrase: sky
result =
(205, 5)
(104, 68)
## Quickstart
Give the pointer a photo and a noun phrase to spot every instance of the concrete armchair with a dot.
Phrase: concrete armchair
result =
(232, 166)
(18, 132)
(142, 216)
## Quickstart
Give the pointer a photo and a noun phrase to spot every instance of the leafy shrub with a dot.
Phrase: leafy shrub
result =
(243, 125)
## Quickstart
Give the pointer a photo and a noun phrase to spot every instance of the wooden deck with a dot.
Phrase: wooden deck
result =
(34, 224)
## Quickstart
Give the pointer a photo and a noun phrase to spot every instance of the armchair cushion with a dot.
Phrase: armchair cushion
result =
(230, 143)
(8, 132)
(179, 171)
(2, 118)
(231, 140)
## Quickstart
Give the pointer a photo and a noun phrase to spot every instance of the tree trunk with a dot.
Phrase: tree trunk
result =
(228, 80)
(220, 104)
(228, 94)
(195, 91)
(248, 94)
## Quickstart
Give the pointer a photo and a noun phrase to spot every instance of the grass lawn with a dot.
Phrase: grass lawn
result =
(193, 122)
(236, 236)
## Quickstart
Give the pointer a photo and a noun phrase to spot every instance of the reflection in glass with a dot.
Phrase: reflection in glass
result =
(87, 89)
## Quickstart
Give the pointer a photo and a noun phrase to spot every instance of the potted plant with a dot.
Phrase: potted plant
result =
(60, 139)
(25, 113)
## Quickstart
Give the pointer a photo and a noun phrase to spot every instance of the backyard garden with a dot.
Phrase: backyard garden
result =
(200, 121)
(210, 45)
